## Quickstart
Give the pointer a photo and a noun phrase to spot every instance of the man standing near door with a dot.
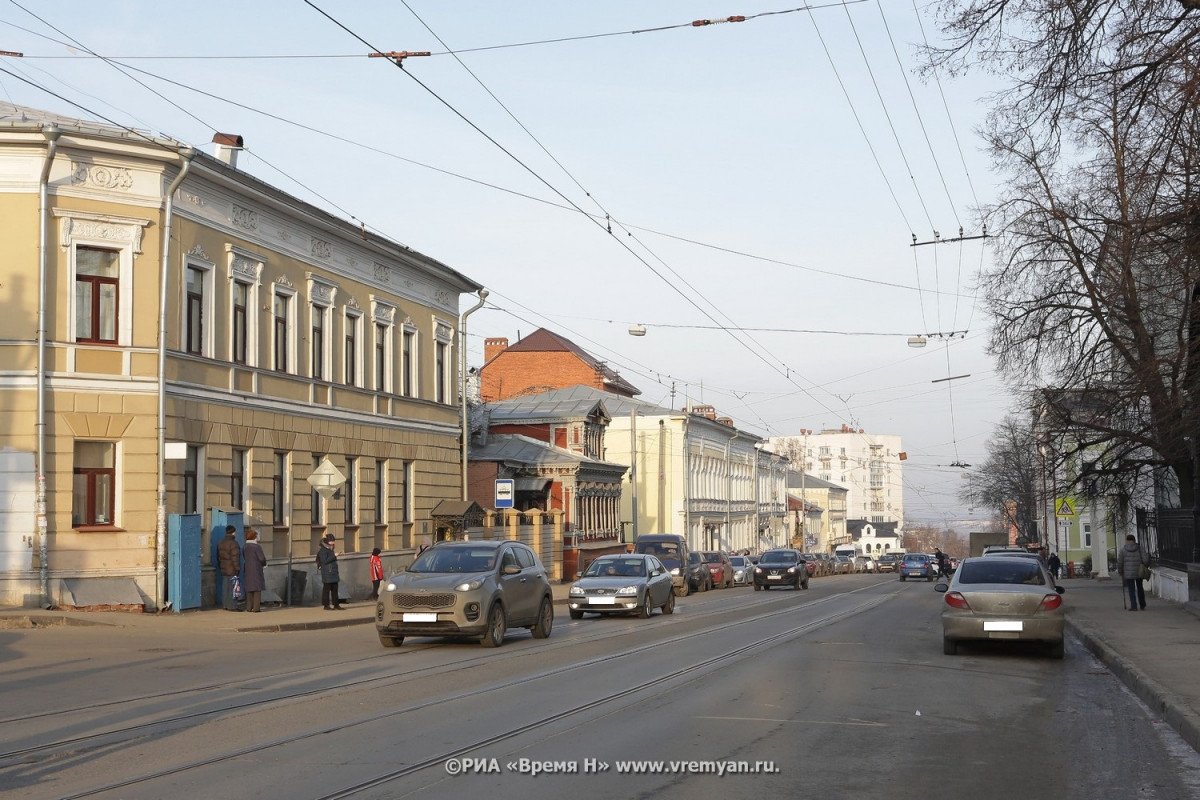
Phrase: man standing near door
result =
(229, 563)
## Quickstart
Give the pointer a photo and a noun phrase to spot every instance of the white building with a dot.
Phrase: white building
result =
(869, 465)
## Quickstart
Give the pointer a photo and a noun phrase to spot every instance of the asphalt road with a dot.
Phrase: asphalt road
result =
(841, 690)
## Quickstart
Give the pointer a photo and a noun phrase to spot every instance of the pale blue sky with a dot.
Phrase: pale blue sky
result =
(730, 152)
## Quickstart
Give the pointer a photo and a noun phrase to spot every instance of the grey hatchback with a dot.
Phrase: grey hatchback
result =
(468, 589)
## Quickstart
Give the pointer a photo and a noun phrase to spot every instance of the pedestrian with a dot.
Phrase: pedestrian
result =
(327, 565)
(376, 565)
(940, 557)
(254, 580)
(229, 563)
(1132, 565)
(1054, 564)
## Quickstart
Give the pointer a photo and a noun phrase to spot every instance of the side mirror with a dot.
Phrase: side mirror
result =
(578, 575)
(1059, 589)
(510, 569)
(941, 587)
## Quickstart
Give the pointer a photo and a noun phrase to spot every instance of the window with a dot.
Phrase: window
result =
(279, 481)
(93, 489)
(194, 313)
(441, 369)
(381, 494)
(1087, 534)
(281, 332)
(317, 516)
(240, 321)
(351, 491)
(408, 364)
(191, 480)
(96, 294)
(319, 357)
(350, 366)
(405, 499)
(237, 479)
(381, 357)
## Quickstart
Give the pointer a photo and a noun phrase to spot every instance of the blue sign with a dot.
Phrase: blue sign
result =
(504, 492)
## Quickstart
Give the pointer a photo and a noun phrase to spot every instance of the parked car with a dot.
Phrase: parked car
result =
(825, 562)
(865, 563)
(720, 568)
(699, 576)
(743, 570)
(814, 565)
(622, 584)
(472, 589)
(784, 567)
(672, 550)
(888, 562)
(1002, 597)
(843, 565)
(916, 565)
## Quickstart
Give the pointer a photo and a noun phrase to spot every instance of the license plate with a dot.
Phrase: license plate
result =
(1003, 625)
(413, 616)
(602, 601)
(773, 577)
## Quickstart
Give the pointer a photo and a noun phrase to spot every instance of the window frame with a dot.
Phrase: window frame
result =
(238, 458)
(244, 269)
(96, 302)
(92, 476)
(283, 330)
(279, 488)
(203, 305)
(352, 347)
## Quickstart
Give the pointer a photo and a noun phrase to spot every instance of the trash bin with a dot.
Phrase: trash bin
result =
(298, 582)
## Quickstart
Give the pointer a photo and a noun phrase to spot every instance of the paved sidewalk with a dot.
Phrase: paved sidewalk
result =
(1155, 652)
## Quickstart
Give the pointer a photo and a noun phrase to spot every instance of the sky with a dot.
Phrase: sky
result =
(749, 192)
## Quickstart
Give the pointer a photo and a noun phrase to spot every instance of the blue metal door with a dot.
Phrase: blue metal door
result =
(184, 560)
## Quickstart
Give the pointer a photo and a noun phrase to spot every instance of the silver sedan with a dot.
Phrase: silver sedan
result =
(1002, 598)
(622, 584)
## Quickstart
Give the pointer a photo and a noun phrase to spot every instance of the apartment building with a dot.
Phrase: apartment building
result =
(182, 340)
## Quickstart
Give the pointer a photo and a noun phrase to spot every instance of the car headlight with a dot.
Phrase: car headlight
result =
(675, 572)
(627, 590)
(469, 586)
(791, 569)
(576, 591)
(758, 570)
(391, 587)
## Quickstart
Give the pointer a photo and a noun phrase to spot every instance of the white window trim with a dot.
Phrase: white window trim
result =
(384, 313)
(283, 288)
(353, 312)
(443, 333)
(108, 232)
(207, 314)
(245, 268)
(411, 334)
(322, 295)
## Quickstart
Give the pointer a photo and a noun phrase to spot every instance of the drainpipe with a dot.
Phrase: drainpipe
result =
(462, 387)
(160, 525)
(51, 132)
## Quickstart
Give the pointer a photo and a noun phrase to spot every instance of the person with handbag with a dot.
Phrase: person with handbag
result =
(229, 564)
(1133, 565)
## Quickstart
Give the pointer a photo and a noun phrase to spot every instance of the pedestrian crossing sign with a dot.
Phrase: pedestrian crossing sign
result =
(1064, 507)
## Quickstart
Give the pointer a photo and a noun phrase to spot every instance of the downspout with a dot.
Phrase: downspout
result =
(160, 531)
(462, 386)
(51, 132)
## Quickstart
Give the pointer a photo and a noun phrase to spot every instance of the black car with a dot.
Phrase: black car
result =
(783, 567)
(699, 576)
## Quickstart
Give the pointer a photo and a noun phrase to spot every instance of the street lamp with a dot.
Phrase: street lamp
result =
(462, 382)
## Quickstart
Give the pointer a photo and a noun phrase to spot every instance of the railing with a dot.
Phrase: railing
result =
(1175, 537)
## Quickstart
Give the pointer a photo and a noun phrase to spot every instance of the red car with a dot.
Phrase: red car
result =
(720, 566)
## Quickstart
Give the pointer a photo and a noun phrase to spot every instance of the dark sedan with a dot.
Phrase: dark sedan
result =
(781, 568)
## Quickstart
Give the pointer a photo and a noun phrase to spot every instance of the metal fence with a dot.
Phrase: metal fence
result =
(1172, 536)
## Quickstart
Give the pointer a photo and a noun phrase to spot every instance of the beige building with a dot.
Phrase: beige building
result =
(141, 381)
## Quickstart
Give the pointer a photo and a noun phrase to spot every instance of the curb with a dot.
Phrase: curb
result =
(1160, 700)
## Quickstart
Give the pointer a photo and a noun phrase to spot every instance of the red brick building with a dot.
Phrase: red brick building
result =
(541, 362)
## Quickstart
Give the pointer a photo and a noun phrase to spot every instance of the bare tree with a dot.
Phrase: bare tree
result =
(1007, 482)
(1094, 290)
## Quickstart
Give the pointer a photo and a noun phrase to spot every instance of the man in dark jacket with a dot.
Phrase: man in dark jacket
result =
(328, 567)
(1130, 560)
(254, 581)
(229, 563)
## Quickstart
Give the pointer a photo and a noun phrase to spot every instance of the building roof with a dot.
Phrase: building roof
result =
(548, 406)
(517, 450)
(811, 481)
(544, 341)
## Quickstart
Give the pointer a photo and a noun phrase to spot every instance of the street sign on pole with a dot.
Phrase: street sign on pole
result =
(504, 492)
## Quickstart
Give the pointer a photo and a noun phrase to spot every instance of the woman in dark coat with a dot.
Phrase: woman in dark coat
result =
(328, 567)
(254, 581)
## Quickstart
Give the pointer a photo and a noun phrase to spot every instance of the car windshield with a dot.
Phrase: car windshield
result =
(914, 559)
(737, 561)
(779, 557)
(995, 570)
(667, 553)
(455, 559)
(616, 567)
(712, 557)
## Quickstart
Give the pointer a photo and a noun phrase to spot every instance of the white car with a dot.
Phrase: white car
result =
(865, 563)
(743, 570)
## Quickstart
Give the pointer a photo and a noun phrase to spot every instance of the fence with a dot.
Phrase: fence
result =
(1175, 534)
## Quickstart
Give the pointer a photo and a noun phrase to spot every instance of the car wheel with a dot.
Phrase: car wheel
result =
(545, 620)
(1055, 649)
(949, 646)
(576, 614)
(390, 641)
(496, 627)
(669, 606)
(685, 590)
(758, 587)
(645, 609)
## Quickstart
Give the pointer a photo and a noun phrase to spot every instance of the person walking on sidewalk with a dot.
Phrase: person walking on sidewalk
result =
(255, 579)
(1055, 564)
(376, 565)
(229, 562)
(327, 563)
(1131, 561)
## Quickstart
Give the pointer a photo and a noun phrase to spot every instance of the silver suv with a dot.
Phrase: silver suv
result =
(469, 589)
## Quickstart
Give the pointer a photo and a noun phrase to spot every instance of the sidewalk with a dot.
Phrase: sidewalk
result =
(1155, 652)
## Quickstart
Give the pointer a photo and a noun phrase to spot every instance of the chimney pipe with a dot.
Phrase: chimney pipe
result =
(227, 147)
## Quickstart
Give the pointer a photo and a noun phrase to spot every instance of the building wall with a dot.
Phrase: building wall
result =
(515, 374)
(231, 229)
(867, 464)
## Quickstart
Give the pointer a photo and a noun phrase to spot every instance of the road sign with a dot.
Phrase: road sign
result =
(326, 479)
(504, 492)
(1064, 507)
